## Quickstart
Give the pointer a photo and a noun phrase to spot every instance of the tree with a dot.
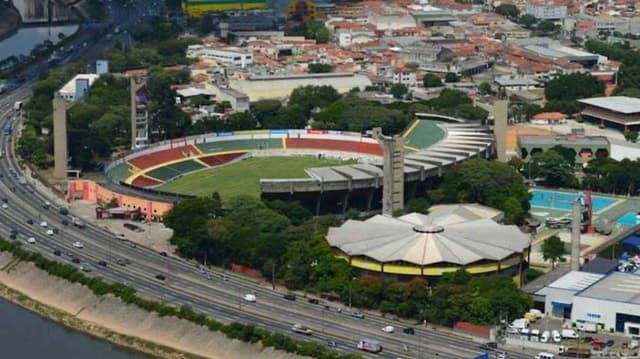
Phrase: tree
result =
(508, 10)
(493, 184)
(484, 88)
(206, 26)
(631, 136)
(572, 87)
(553, 167)
(418, 205)
(451, 77)
(527, 20)
(553, 249)
(546, 26)
(398, 91)
(311, 97)
(316, 68)
(431, 80)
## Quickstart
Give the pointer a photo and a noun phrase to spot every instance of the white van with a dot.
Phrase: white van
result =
(535, 335)
(556, 336)
(521, 323)
(569, 334)
(543, 355)
(545, 336)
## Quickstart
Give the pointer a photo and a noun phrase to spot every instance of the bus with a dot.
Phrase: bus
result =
(17, 106)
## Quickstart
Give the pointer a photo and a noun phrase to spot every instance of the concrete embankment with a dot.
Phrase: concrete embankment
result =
(9, 20)
(107, 317)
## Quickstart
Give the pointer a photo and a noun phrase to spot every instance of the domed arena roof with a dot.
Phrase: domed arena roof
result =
(458, 234)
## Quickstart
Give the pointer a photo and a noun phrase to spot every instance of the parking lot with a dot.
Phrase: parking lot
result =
(601, 343)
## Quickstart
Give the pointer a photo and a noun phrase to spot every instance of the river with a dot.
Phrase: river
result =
(26, 335)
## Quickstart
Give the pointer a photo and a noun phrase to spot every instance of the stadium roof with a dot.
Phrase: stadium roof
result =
(457, 234)
(621, 104)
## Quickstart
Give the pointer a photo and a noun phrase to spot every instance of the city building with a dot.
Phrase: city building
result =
(612, 303)
(228, 55)
(197, 8)
(405, 76)
(450, 237)
(584, 147)
(543, 10)
(549, 118)
(281, 86)
(556, 298)
(77, 87)
(620, 112)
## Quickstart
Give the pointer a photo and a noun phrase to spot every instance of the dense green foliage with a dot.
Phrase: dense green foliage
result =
(563, 91)
(95, 126)
(611, 176)
(431, 80)
(493, 184)
(318, 68)
(247, 333)
(456, 296)
(508, 10)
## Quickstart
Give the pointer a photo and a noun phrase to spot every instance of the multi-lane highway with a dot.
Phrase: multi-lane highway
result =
(213, 292)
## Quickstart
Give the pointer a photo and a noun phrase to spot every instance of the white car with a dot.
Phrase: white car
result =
(546, 335)
(43, 224)
(555, 335)
(78, 244)
(5, 206)
(31, 240)
(50, 232)
(249, 298)
(388, 329)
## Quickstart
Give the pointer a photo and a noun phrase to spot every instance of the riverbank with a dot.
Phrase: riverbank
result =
(108, 318)
(10, 20)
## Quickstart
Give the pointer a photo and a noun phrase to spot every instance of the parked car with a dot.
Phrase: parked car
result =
(555, 335)
(546, 335)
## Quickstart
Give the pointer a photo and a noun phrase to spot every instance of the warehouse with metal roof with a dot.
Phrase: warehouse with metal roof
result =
(450, 237)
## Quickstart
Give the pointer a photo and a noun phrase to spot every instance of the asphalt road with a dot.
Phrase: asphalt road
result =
(212, 292)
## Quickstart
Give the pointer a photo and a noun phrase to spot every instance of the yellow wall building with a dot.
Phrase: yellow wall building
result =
(197, 8)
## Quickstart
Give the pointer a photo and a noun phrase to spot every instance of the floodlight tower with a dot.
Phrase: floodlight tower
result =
(393, 171)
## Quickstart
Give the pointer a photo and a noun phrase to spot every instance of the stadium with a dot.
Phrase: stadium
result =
(197, 8)
(348, 171)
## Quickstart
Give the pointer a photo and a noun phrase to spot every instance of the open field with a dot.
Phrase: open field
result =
(243, 177)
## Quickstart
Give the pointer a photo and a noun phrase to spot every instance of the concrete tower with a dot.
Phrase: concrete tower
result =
(393, 169)
(60, 151)
(139, 112)
(500, 129)
(576, 223)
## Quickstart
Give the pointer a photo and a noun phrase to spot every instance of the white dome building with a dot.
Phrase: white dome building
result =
(450, 237)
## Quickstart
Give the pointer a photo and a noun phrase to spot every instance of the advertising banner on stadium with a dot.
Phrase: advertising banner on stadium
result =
(224, 134)
(331, 132)
(279, 132)
(316, 132)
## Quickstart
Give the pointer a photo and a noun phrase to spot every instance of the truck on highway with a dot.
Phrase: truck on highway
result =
(17, 106)
(370, 345)
(574, 352)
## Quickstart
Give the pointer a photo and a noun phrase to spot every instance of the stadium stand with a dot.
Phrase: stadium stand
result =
(143, 181)
(120, 172)
(168, 172)
(335, 145)
(160, 157)
(217, 160)
(424, 134)
(247, 144)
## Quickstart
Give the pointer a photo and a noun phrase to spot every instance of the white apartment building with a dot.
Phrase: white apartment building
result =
(227, 55)
(405, 77)
(546, 11)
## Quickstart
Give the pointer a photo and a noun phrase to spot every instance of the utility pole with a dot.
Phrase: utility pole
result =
(273, 275)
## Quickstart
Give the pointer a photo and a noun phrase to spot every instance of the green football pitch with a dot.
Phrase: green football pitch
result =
(243, 177)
